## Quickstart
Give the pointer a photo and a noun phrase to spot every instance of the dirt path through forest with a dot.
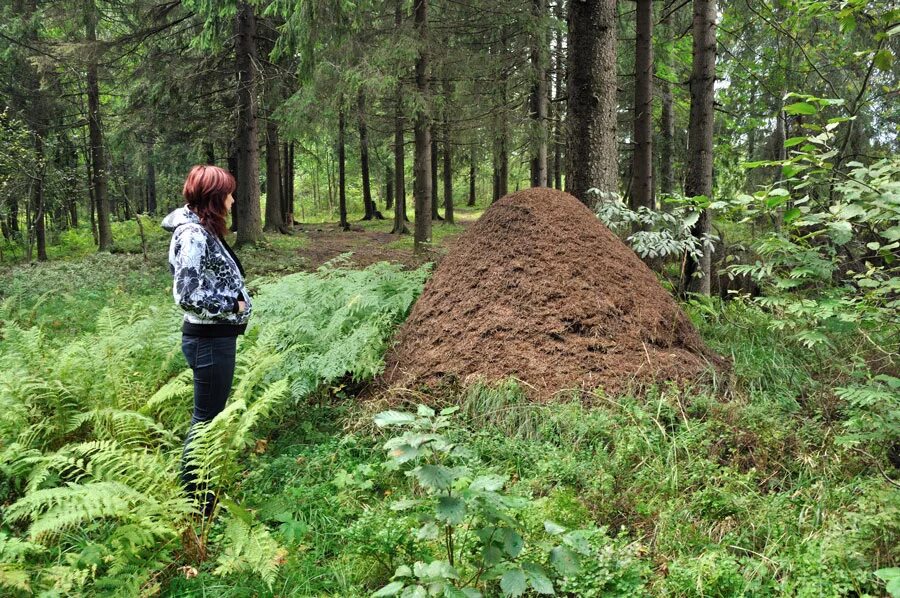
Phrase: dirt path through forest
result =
(327, 241)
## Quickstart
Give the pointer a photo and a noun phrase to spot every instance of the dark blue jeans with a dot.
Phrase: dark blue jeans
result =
(212, 360)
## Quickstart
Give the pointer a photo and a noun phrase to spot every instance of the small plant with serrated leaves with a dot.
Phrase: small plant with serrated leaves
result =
(468, 516)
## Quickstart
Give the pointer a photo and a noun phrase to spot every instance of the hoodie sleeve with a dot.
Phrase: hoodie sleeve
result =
(193, 288)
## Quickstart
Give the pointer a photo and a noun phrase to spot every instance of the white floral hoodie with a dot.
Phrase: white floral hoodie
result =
(208, 280)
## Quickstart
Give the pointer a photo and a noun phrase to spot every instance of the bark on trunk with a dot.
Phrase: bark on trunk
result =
(448, 163)
(249, 217)
(422, 189)
(37, 199)
(388, 187)
(592, 151)
(538, 98)
(472, 173)
(559, 129)
(368, 204)
(95, 128)
(274, 209)
(697, 272)
(642, 158)
(342, 169)
(151, 179)
(435, 201)
(667, 121)
(399, 151)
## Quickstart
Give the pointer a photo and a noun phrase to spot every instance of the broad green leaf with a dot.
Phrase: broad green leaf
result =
(800, 108)
(451, 509)
(436, 477)
(390, 590)
(892, 234)
(403, 453)
(512, 542)
(491, 555)
(538, 579)
(393, 418)
(792, 141)
(403, 571)
(840, 232)
(450, 410)
(425, 411)
(416, 591)
(791, 215)
(513, 583)
(789, 170)
(565, 561)
(489, 483)
(553, 528)
(429, 531)
(884, 59)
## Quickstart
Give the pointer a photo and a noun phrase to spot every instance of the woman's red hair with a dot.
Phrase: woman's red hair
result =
(205, 190)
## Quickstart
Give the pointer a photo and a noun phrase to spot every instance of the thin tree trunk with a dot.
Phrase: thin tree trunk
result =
(559, 130)
(368, 204)
(422, 187)
(233, 169)
(399, 151)
(388, 187)
(538, 98)
(95, 128)
(249, 221)
(667, 120)
(37, 197)
(472, 174)
(342, 168)
(697, 272)
(642, 158)
(274, 209)
(592, 152)
(448, 159)
(210, 153)
(435, 207)
(151, 179)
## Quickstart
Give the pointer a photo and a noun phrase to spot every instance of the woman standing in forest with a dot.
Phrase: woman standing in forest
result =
(209, 287)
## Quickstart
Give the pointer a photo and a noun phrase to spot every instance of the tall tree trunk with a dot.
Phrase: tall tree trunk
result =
(388, 187)
(274, 209)
(472, 174)
(210, 152)
(422, 165)
(37, 197)
(448, 159)
(233, 168)
(435, 211)
(249, 217)
(538, 98)
(342, 168)
(95, 128)
(667, 119)
(399, 150)
(151, 179)
(559, 129)
(291, 193)
(592, 154)
(642, 158)
(697, 272)
(368, 204)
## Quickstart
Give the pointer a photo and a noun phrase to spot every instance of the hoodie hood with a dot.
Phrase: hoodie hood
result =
(178, 218)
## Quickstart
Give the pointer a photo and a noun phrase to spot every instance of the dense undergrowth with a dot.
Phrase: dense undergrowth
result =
(747, 489)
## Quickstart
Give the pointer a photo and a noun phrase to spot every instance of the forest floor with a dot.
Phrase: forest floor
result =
(682, 493)
(372, 241)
